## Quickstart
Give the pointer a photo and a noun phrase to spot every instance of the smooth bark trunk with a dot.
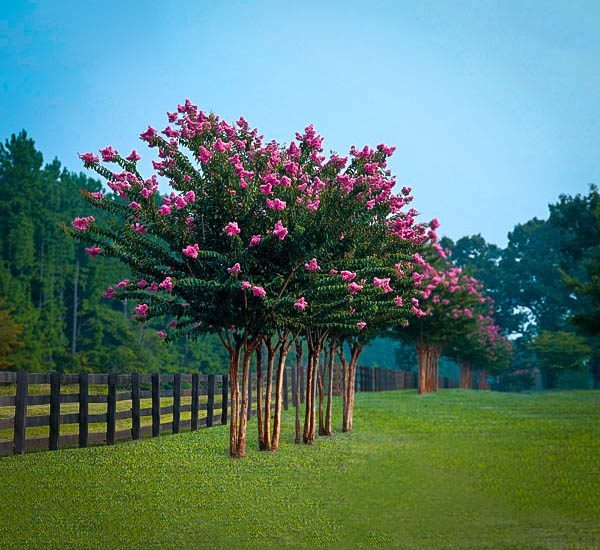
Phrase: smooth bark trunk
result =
(466, 376)
(349, 384)
(299, 388)
(330, 367)
(428, 356)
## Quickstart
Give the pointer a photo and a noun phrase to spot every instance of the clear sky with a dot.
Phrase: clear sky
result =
(494, 106)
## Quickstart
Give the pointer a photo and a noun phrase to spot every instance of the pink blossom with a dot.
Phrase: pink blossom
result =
(276, 204)
(81, 224)
(414, 302)
(123, 283)
(314, 205)
(89, 158)
(254, 241)
(221, 146)
(258, 291)
(354, 288)
(172, 324)
(97, 195)
(191, 250)
(204, 154)
(190, 196)
(231, 229)
(134, 205)
(149, 134)
(266, 188)
(167, 284)
(141, 310)
(361, 325)
(301, 303)
(133, 156)
(164, 210)
(398, 301)
(110, 293)
(142, 283)
(234, 270)
(348, 275)
(139, 229)
(418, 312)
(108, 153)
(280, 231)
(93, 252)
(246, 285)
(383, 284)
(161, 334)
(180, 203)
(312, 265)
(333, 272)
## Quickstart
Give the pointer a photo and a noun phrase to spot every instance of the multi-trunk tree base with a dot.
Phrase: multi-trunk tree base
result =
(428, 356)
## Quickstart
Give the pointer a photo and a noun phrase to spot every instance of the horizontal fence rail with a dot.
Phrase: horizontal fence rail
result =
(84, 409)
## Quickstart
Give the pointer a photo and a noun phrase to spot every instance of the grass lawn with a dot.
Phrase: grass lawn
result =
(453, 469)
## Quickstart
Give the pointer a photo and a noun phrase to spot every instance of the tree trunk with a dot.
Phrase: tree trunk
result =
(309, 434)
(466, 375)
(299, 378)
(266, 444)
(328, 420)
(259, 399)
(428, 355)
(283, 352)
(321, 390)
(349, 383)
(235, 451)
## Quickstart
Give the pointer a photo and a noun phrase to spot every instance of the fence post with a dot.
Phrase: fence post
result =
(135, 406)
(54, 411)
(111, 408)
(195, 392)
(83, 408)
(211, 400)
(224, 395)
(20, 413)
(176, 402)
(155, 404)
(285, 389)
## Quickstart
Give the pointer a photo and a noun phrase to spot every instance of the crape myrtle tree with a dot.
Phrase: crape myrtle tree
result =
(226, 252)
(484, 350)
(444, 311)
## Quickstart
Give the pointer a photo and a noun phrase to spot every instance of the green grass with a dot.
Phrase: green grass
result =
(456, 469)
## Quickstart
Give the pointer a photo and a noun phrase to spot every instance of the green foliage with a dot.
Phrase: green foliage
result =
(561, 350)
(10, 337)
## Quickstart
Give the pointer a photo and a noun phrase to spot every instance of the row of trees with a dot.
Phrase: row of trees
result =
(263, 245)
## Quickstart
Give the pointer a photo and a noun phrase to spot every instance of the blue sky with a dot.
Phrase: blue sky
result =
(494, 106)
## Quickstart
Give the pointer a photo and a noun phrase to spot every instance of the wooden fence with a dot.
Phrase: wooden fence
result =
(84, 409)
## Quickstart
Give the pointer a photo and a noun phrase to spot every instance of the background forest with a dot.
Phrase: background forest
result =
(53, 317)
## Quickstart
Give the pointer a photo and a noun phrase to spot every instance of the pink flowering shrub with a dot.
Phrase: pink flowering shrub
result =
(303, 228)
